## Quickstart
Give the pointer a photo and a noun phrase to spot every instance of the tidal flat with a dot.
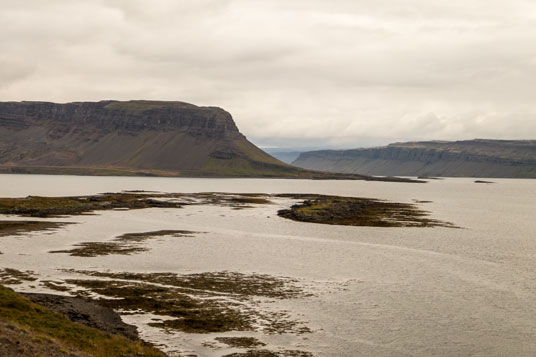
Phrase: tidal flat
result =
(355, 268)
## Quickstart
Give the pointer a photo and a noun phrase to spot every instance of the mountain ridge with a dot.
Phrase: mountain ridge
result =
(465, 158)
(137, 137)
(145, 136)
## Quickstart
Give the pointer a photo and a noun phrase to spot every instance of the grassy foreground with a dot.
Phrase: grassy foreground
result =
(74, 338)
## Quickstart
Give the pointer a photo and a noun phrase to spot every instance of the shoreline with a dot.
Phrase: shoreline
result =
(128, 172)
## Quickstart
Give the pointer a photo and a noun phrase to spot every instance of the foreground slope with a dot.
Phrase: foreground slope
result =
(470, 158)
(134, 137)
(28, 329)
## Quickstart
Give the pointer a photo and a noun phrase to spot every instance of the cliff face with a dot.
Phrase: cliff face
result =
(471, 158)
(144, 137)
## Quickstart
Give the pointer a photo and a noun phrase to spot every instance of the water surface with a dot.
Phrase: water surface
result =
(378, 291)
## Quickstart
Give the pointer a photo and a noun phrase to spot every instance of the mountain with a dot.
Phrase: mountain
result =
(469, 158)
(135, 137)
(283, 155)
(132, 137)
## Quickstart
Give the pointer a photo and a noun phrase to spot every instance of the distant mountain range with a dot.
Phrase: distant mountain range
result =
(134, 138)
(469, 158)
(285, 155)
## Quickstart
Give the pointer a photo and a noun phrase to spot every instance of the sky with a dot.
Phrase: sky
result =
(293, 73)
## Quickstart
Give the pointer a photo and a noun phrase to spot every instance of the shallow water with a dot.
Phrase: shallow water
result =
(377, 291)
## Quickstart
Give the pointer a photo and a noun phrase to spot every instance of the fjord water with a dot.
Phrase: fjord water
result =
(377, 291)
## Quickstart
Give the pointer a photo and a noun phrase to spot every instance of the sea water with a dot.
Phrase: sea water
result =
(377, 291)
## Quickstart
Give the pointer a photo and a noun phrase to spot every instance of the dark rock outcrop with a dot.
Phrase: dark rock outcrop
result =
(470, 158)
(86, 313)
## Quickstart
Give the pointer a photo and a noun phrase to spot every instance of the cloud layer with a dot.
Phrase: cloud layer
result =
(338, 73)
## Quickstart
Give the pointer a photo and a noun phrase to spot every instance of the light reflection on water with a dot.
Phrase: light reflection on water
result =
(399, 291)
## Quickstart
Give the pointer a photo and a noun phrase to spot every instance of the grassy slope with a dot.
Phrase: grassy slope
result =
(253, 162)
(53, 326)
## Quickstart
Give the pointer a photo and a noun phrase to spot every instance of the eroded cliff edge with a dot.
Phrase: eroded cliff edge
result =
(133, 137)
(468, 158)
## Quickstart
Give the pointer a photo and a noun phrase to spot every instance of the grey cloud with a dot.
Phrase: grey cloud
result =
(12, 70)
(336, 72)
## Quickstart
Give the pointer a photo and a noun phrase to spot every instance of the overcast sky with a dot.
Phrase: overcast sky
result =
(317, 73)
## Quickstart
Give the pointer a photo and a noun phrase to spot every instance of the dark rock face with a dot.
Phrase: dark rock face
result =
(471, 158)
(126, 117)
(86, 313)
(109, 137)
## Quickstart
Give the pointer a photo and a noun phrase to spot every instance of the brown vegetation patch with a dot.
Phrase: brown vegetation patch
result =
(193, 315)
(250, 200)
(235, 200)
(140, 237)
(10, 276)
(267, 353)
(55, 285)
(355, 211)
(18, 227)
(126, 244)
(241, 342)
(209, 283)
(36, 206)
(199, 303)
(95, 249)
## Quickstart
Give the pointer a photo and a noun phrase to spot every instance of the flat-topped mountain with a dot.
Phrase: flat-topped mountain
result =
(469, 158)
(136, 137)
(133, 137)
